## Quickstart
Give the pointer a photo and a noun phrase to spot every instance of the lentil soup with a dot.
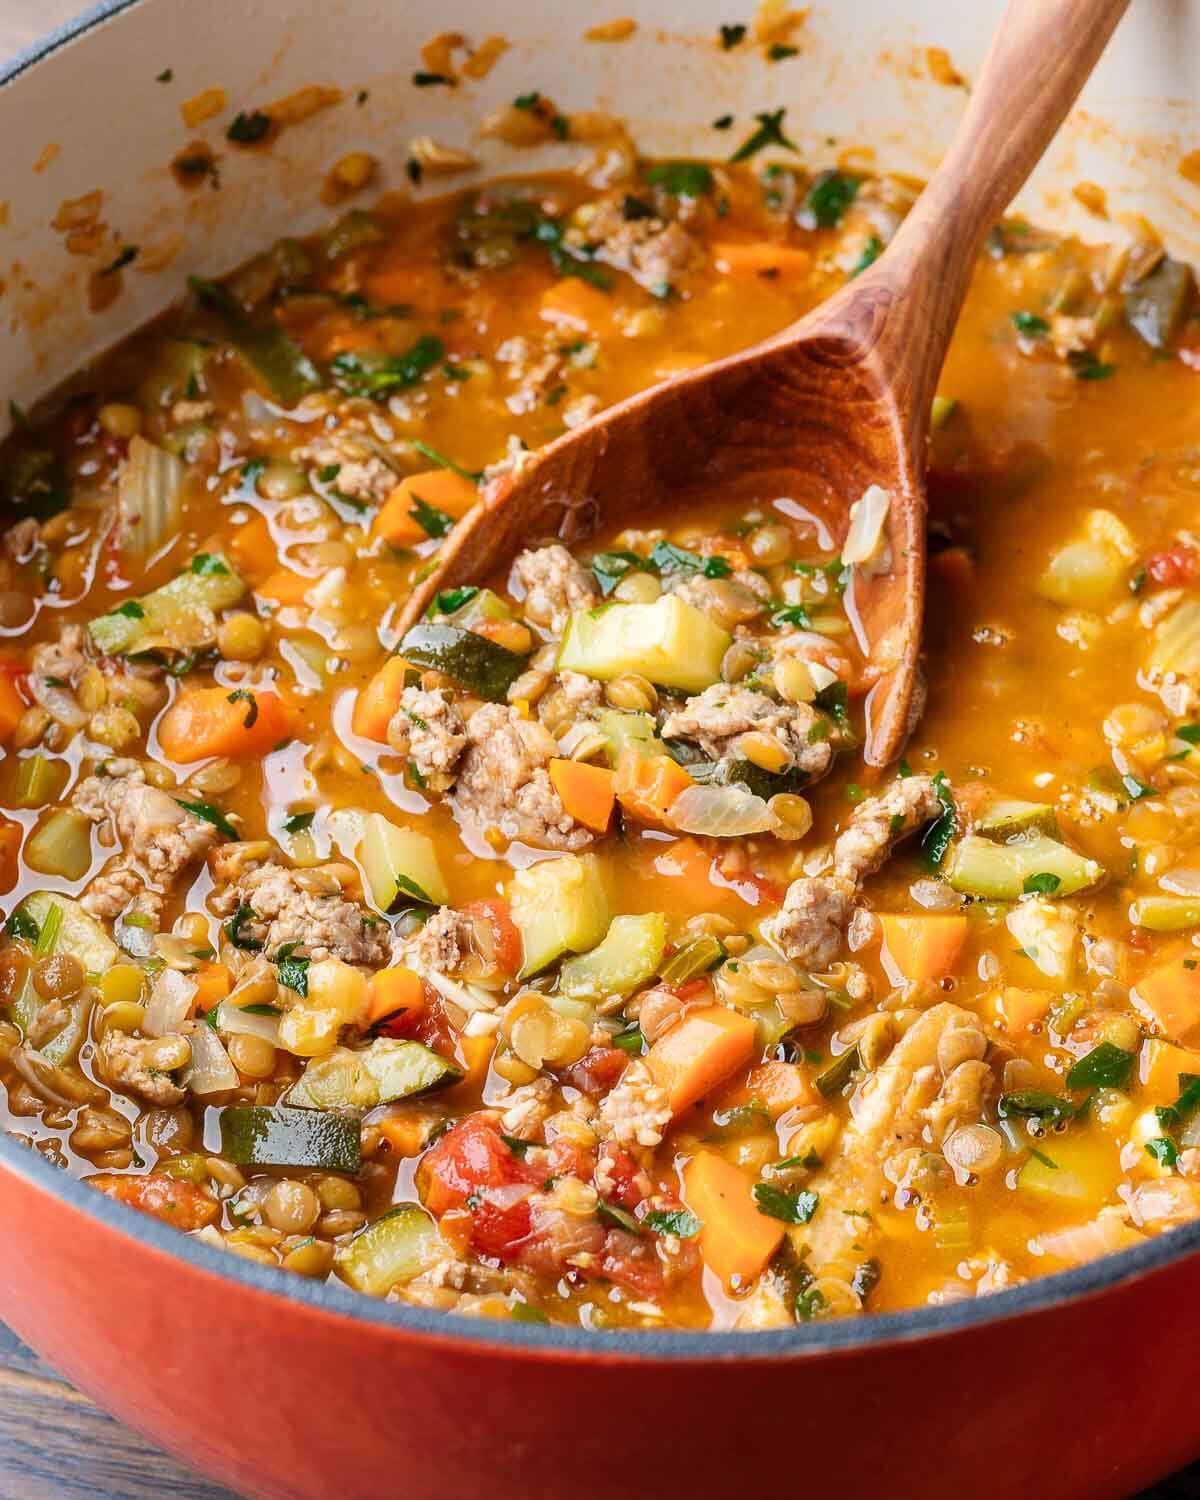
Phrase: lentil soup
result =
(561, 959)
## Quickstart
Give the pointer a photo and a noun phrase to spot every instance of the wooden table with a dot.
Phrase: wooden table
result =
(54, 1444)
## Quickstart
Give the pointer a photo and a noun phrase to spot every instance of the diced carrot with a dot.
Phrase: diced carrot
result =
(586, 792)
(285, 587)
(213, 983)
(761, 258)
(1160, 1065)
(474, 1055)
(405, 1134)
(736, 1241)
(391, 991)
(1169, 996)
(576, 304)
(698, 1052)
(687, 859)
(11, 835)
(441, 489)
(250, 546)
(211, 721)
(378, 701)
(780, 1086)
(180, 1203)
(1018, 1010)
(646, 785)
(406, 282)
(12, 706)
(921, 946)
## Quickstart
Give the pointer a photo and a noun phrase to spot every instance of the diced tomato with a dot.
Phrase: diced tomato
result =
(570, 1160)
(472, 1167)
(632, 1261)
(180, 1203)
(597, 1070)
(691, 989)
(507, 950)
(626, 1183)
(1173, 566)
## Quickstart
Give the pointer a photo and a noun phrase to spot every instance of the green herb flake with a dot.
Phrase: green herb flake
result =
(293, 971)
(246, 129)
(210, 814)
(1029, 325)
(682, 179)
(769, 133)
(433, 522)
(123, 257)
(377, 377)
(131, 609)
(1041, 884)
(1106, 1066)
(22, 926)
(1087, 365)
(442, 462)
(1053, 1109)
(937, 836)
(732, 36)
(678, 1222)
(829, 195)
(432, 80)
(208, 565)
(244, 695)
(450, 601)
(233, 930)
(299, 822)
(790, 1205)
(871, 252)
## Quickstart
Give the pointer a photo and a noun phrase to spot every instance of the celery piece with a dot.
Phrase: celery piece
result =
(381, 1073)
(1166, 913)
(697, 957)
(39, 780)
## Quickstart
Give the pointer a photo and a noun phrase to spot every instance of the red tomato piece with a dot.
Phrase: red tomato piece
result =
(1173, 566)
(597, 1070)
(507, 950)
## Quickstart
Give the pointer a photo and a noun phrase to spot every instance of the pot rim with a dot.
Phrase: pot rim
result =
(872, 1331)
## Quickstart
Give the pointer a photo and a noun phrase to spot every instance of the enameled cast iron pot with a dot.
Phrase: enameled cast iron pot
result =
(1078, 1385)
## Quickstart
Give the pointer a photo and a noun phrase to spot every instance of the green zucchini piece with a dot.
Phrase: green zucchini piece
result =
(669, 642)
(733, 772)
(559, 906)
(839, 1073)
(256, 1135)
(1156, 306)
(1166, 913)
(998, 872)
(628, 731)
(209, 583)
(79, 934)
(472, 660)
(385, 1071)
(698, 957)
(477, 605)
(1006, 818)
(394, 1248)
(629, 956)
(401, 866)
(281, 363)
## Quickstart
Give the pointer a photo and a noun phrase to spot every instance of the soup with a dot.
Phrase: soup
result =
(560, 959)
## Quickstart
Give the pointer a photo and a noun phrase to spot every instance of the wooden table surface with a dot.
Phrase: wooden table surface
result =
(54, 1444)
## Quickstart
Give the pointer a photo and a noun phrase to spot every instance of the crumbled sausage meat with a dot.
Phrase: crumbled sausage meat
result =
(305, 907)
(652, 251)
(158, 839)
(361, 473)
(554, 585)
(721, 714)
(504, 784)
(527, 1108)
(122, 1061)
(636, 1112)
(730, 602)
(816, 911)
(428, 730)
(441, 944)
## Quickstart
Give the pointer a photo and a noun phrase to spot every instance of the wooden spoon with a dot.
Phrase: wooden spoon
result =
(836, 402)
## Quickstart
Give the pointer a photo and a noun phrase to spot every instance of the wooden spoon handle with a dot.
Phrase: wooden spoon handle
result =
(1039, 60)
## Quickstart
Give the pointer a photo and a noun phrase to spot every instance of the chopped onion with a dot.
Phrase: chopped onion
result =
(469, 997)
(149, 497)
(866, 525)
(721, 812)
(135, 934)
(59, 702)
(233, 1019)
(171, 1000)
(1184, 881)
(210, 1071)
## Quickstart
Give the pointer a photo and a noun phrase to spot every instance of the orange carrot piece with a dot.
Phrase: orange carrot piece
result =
(378, 701)
(921, 946)
(1159, 1068)
(586, 792)
(213, 983)
(1018, 1010)
(737, 1241)
(574, 303)
(1169, 997)
(180, 1203)
(211, 721)
(285, 587)
(474, 1055)
(405, 1134)
(761, 258)
(11, 835)
(698, 1052)
(12, 706)
(646, 785)
(779, 1086)
(442, 489)
(251, 546)
(392, 991)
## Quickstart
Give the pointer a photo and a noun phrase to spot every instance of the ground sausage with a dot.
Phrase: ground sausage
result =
(121, 1059)
(718, 717)
(554, 585)
(428, 730)
(651, 250)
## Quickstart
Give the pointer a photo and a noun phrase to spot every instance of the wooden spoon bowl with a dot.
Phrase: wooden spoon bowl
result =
(833, 404)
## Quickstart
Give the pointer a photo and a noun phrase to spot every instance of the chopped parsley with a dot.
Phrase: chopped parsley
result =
(1029, 325)
(208, 565)
(244, 695)
(676, 1221)
(732, 36)
(682, 179)
(450, 601)
(22, 926)
(790, 1205)
(442, 462)
(210, 814)
(377, 376)
(245, 129)
(769, 133)
(293, 971)
(299, 822)
(1041, 884)
(433, 522)
(829, 195)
